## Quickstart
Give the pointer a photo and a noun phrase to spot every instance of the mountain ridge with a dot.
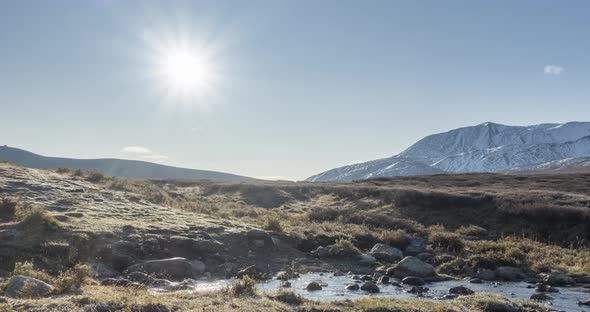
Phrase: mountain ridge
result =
(487, 147)
(112, 166)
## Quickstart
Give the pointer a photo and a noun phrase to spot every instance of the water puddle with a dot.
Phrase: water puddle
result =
(334, 289)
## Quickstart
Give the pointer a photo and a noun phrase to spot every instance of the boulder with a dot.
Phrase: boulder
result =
(383, 279)
(352, 287)
(251, 271)
(556, 279)
(322, 252)
(585, 302)
(418, 290)
(509, 273)
(198, 266)
(425, 256)
(411, 266)
(101, 270)
(413, 281)
(367, 260)
(461, 291)
(386, 253)
(20, 286)
(259, 239)
(415, 247)
(540, 287)
(541, 297)
(370, 287)
(175, 268)
(313, 286)
(485, 274)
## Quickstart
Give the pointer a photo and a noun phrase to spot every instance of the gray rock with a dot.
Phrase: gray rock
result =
(509, 273)
(541, 297)
(411, 266)
(582, 279)
(370, 287)
(386, 253)
(424, 256)
(545, 288)
(586, 302)
(100, 270)
(383, 279)
(313, 286)
(485, 274)
(413, 281)
(416, 246)
(367, 260)
(418, 290)
(176, 268)
(198, 266)
(461, 291)
(352, 287)
(323, 252)
(556, 279)
(20, 286)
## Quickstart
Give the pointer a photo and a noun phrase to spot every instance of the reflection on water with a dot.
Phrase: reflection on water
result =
(334, 289)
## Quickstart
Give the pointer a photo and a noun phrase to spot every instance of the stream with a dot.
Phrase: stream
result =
(334, 289)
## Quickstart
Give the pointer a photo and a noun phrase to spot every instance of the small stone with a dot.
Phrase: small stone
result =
(352, 287)
(413, 280)
(461, 291)
(475, 281)
(313, 286)
(541, 297)
(586, 303)
(370, 287)
(545, 288)
(286, 285)
(383, 280)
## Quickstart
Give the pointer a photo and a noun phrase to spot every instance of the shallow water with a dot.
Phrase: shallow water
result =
(566, 300)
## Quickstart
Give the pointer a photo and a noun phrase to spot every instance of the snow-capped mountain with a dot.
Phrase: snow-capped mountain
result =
(488, 147)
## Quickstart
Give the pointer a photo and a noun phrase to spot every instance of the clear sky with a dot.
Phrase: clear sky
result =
(290, 88)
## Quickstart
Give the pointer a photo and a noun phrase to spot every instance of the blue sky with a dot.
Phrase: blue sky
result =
(300, 87)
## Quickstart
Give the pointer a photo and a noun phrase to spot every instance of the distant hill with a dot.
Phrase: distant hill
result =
(113, 167)
(488, 147)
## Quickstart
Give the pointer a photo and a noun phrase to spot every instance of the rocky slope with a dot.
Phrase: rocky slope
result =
(487, 147)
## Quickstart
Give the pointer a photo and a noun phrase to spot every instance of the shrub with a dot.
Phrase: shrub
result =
(288, 297)
(344, 247)
(246, 286)
(273, 223)
(472, 230)
(62, 170)
(35, 218)
(78, 173)
(95, 177)
(448, 241)
(397, 238)
(8, 207)
(322, 214)
(72, 279)
(27, 269)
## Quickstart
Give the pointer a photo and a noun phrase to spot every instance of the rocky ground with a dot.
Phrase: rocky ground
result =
(137, 235)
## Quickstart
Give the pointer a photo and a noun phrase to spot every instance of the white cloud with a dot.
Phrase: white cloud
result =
(155, 157)
(136, 150)
(275, 178)
(553, 70)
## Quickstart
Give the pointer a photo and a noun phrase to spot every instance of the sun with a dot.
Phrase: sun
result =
(185, 70)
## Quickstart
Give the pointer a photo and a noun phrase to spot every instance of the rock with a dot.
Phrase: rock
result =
(322, 252)
(485, 274)
(101, 270)
(416, 246)
(557, 279)
(418, 290)
(139, 277)
(367, 260)
(198, 266)
(286, 285)
(541, 297)
(386, 253)
(260, 239)
(545, 288)
(121, 282)
(586, 303)
(20, 286)
(424, 256)
(509, 273)
(411, 266)
(449, 297)
(367, 278)
(370, 287)
(352, 287)
(461, 291)
(176, 268)
(251, 271)
(475, 280)
(383, 279)
(413, 280)
(313, 286)
(582, 279)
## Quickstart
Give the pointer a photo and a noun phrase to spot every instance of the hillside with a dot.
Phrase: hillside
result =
(112, 167)
(488, 147)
